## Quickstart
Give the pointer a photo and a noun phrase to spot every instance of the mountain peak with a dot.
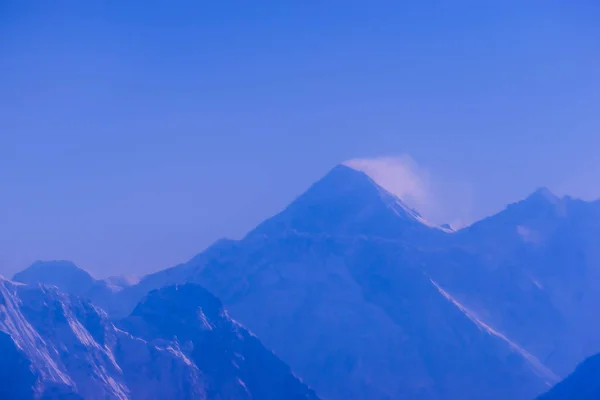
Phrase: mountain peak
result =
(346, 202)
(543, 194)
(61, 273)
(184, 299)
(64, 264)
(234, 362)
(344, 179)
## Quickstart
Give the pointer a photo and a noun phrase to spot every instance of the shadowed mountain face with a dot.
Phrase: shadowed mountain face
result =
(73, 351)
(533, 272)
(56, 346)
(234, 362)
(18, 381)
(583, 384)
(364, 299)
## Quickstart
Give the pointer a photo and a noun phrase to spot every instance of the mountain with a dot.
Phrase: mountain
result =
(380, 327)
(582, 384)
(63, 274)
(57, 346)
(533, 272)
(338, 276)
(235, 363)
(70, 349)
(365, 299)
(347, 202)
(69, 278)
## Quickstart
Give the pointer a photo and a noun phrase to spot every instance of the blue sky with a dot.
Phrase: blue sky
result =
(133, 134)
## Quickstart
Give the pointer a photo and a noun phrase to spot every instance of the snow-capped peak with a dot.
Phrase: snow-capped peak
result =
(347, 202)
(544, 194)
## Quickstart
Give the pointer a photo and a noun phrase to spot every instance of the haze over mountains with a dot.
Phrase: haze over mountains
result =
(352, 289)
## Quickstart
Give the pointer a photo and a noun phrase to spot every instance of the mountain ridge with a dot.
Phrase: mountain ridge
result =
(346, 270)
(191, 315)
(358, 200)
(56, 345)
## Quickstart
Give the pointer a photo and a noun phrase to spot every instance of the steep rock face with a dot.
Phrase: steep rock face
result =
(234, 362)
(182, 345)
(17, 379)
(582, 384)
(68, 348)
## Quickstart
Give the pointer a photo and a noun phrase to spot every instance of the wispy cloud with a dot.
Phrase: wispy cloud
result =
(400, 175)
(439, 200)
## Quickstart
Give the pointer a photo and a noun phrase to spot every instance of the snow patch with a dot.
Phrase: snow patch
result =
(538, 367)
(179, 354)
(528, 235)
(536, 283)
(205, 323)
(243, 385)
(27, 339)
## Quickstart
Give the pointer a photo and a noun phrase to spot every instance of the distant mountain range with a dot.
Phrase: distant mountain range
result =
(363, 298)
(183, 346)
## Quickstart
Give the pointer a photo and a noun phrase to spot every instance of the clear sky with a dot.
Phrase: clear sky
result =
(133, 134)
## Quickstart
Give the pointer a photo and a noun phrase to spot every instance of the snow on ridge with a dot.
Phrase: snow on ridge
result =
(28, 339)
(4, 279)
(177, 353)
(398, 177)
(43, 353)
(205, 322)
(96, 362)
(537, 365)
(80, 332)
(414, 214)
(243, 385)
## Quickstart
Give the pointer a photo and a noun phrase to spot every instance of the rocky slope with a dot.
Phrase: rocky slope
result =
(234, 362)
(55, 345)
